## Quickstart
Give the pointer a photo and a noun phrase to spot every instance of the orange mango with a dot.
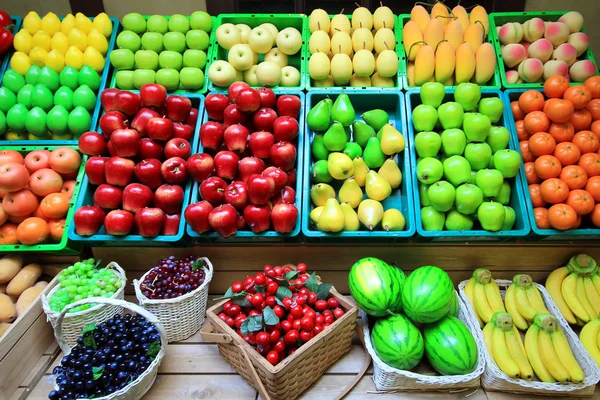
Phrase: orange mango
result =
(474, 36)
(434, 32)
(420, 15)
(465, 63)
(480, 16)
(454, 33)
(440, 11)
(461, 16)
(411, 35)
(410, 73)
(444, 61)
(424, 65)
(485, 63)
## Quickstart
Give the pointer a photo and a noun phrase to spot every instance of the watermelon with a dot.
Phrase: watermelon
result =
(450, 347)
(398, 342)
(376, 286)
(453, 311)
(427, 294)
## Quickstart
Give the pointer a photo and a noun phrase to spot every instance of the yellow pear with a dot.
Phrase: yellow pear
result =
(339, 23)
(78, 39)
(67, 24)
(392, 141)
(50, 23)
(383, 17)
(332, 217)
(351, 221)
(60, 42)
(319, 41)
(74, 58)
(41, 39)
(340, 166)
(360, 171)
(83, 23)
(362, 18)
(32, 22)
(319, 66)
(103, 24)
(341, 69)
(55, 60)
(387, 64)
(391, 173)
(350, 193)
(370, 213)
(315, 214)
(379, 81)
(93, 58)
(341, 43)
(362, 38)
(37, 56)
(360, 81)
(327, 82)
(320, 193)
(376, 187)
(393, 220)
(319, 20)
(97, 40)
(363, 63)
(384, 39)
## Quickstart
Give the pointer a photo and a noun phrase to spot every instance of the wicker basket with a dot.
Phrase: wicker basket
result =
(293, 375)
(387, 378)
(136, 389)
(184, 315)
(494, 379)
(75, 322)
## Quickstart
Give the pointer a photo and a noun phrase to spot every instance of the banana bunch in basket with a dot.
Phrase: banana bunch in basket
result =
(484, 295)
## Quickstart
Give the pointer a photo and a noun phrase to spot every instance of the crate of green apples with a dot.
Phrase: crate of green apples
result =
(357, 179)
(466, 182)
(173, 51)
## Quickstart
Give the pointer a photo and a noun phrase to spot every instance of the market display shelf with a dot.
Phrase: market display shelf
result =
(493, 83)
(95, 115)
(517, 200)
(17, 21)
(499, 19)
(209, 55)
(580, 234)
(281, 21)
(248, 235)
(401, 199)
(398, 48)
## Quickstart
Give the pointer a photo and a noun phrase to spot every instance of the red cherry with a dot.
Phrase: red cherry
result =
(260, 279)
(291, 337)
(249, 283)
(286, 270)
(271, 302)
(307, 323)
(257, 300)
(310, 313)
(273, 357)
(230, 322)
(279, 311)
(253, 313)
(319, 320)
(305, 336)
(237, 287)
(321, 305)
(301, 300)
(286, 325)
(329, 319)
(287, 302)
(303, 291)
(338, 312)
(274, 336)
(234, 310)
(252, 338)
(312, 298)
(262, 339)
(297, 324)
(278, 271)
(272, 287)
(227, 306)
(333, 303)
(297, 312)
(279, 346)
(317, 329)
(301, 268)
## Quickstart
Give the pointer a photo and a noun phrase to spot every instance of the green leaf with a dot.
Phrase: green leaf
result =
(255, 323)
(154, 348)
(88, 341)
(97, 264)
(323, 291)
(88, 328)
(199, 263)
(279, 302)
(97, 372)
(283, 292)
(311, 283)
(241, 301)
(230, 295)
(260, 288)
(269, 316)
(282, 282)
(291, 275)
(244, 327)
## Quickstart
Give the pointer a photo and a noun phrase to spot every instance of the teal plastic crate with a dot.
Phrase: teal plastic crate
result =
(248, 235)
(106, 73)
(493, 83)
(102, 239)
(17, 21)
(586, 233)
(401, 199)
(397, 79)
(521, 227)
(65, 246)
(209, 56)
(499, 19)
(281, 21)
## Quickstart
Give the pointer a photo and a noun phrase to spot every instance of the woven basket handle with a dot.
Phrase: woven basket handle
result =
(363, 369)
(207, 334)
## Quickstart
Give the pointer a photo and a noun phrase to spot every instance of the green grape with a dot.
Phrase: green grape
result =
(78, 297)
(80, 289)
(97, 291)
(118, 284)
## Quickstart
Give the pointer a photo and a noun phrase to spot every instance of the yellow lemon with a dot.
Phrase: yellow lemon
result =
(59, 42)
(78, 39)
(64, 136)
(55, 60)
(32, 22)
(98, 41)
(83, 23)
(38, 56)
(22, 41)
(74, 58)
(20, 62)
(47, 136)
(50, 23)
(41, 39)
(103, 24)
(67, 24)
(10, 135)
(93, 58)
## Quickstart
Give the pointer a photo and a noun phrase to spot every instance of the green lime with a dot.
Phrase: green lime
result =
(7, 99)
(68, 77)
(13, 80)
(88, 76)
(79, 121)
(84, 97)
(2, 123)
(36, 122)
(64, 97)
(16, 118)
(42, 97)
(32, 75)
(24, 95)
(49, 78)
(58, 120)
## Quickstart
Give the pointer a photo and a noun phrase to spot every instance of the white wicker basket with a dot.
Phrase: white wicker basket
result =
(76, 321)
(181, 316)
(494, 379)
(136, 389)
(391, 379)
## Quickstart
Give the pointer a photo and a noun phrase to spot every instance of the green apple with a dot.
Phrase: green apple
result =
(152, 41)
(289, 41)
(423, 197)
(194, 58)
(468, 95)
(476, 126)
(146, 59)
(424, 118)
(122, 59)
(179, 23)
(492, 107)
(507, 162)
(142, 77)
(201, 20)
(174, 41)
(478, 155)
(441, 195)
(432, 219)
(491, 216)
(451, 115)
(432, 94)
(260, 40)
(268, 73)
(472, 181)
(428, 144)
(124, 80)
(134, 22)
(429, 170)
(468, 198)
(129, 40)
(158, 24)
(510, 218)
(241, 56)
(456, 221)
(196, 39)
(170, 59)
(221, 73)
(489, 181)
(169, 78)
(498, 138)
(457, 170)
(191, 78)
(227, 35)
(504, 195)
(453, 142)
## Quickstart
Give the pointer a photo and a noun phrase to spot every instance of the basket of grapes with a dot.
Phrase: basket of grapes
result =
(176, 292)
(80, 281)
(96, 368)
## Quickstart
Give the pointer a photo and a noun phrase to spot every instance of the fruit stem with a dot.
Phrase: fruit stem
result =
(341, 12)
(438, 45)
(356, 4)
(582, 264)
(503, 321)
(482, 27)
(547, 322)
(523, 281)
(482, 275)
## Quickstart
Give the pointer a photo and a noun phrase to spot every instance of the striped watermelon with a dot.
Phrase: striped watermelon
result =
(427, 294)
(376, 286)
(398, 342)
(450, 347)
(453, 311)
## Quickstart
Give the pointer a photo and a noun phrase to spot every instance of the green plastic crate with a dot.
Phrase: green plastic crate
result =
(65, 246)
(281, 21)
(209, 55)
(398, 78)
(499, 19)
(494, 82)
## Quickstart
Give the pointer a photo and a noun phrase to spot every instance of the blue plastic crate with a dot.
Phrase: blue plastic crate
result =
(101, 239)
(581, 234)
(17, 21)
(401, 199)
(248, 235)
(517, 201)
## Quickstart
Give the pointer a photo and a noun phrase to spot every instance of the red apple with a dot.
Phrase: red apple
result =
(278, 175)
(95, 168)
(148, 172)
(108, 197)
(110, 149)
(241, 223)
(213, 190)
(233, 115)
(107, 98)
(284, 217)
(171, 226)
(215, 105)
(258, 218)
(223, 220)
(236, 194)
(178, 147)
(136, 196)
(126, 142)
(263, 119)
(150, 221)
(287, 195)
(112, 121)
(234, 90)
(153, 95)
(88, 220)
(267, 97)
(192, 119)
(159, 128)
(283, 155)
(196, 215)
(211, 135)
(249, 166)
(285, 129)
(226, 164)
(236, 137)
(260, 188)
(92, 144)
(119, 171)
(169, 198)
(178, 108)
(127, 102)
(289, 106)
(248, 100)
(150, 148)
(174, 170)
(260, 144)
(118, 222)
(183, 131)
(200, 166)
(141, 119)
(291, 178)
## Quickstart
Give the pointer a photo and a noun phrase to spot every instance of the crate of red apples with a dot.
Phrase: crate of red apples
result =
(137, 182)
(245, 170)
(283, 326)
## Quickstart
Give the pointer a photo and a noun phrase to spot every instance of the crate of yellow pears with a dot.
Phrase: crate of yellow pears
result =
(356, 166)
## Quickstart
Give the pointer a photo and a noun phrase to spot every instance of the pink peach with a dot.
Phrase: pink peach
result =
(533, 29)
(513, 54)
(526, 45)
(512, 76)
(580, 40)
(557, 33)
(573, 20)
(511, 32)
(531, 70)
(556, 67)
(540, 49)
(565, 52)
(582, 70)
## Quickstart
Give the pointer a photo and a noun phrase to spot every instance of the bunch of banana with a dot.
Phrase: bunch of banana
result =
(590, 339)
(484, 295)
(503, 342)
(575, 288)
(549, 352)
(523, 301)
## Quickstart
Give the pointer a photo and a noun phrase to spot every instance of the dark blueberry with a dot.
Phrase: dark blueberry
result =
(131, 366)
(110, 389)
(77, 375)
(80, 340)
(99, 393)
(77, 364)
(79, 385)
(53, 395)
(88, 374)
(81, 396)
(62, 382)
(89, 384)
(113, 366)
(87, 366)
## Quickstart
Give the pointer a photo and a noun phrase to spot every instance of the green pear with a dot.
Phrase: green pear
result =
(393, 220)
(362, 133)
(351, 221)
(360, 171)
(320, 193)
(468, 198)
(370, 213)
(319, 172)
(489, 181)
(441, 195)
(350, 193)
(342, 110)
(457, 170)
(455, 221)
(340, 166)
(392, 141)
(319, 117)
(353, 150)
(478, 155)
(335, 137)
(498, 138)
(423, 197)
(318, 149)
(432, 219)
(453, 142)
(332, 217)
(432, 94)
(491, 215)
(424, 118)
(428, 144)
(391, 173)
(429, 170)
(348, 131)
(376, 187)
(476, 126)
(451, 115)
(510, 218)
(376, 118)
(504, 195)
(373, 156)
(315, 214)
